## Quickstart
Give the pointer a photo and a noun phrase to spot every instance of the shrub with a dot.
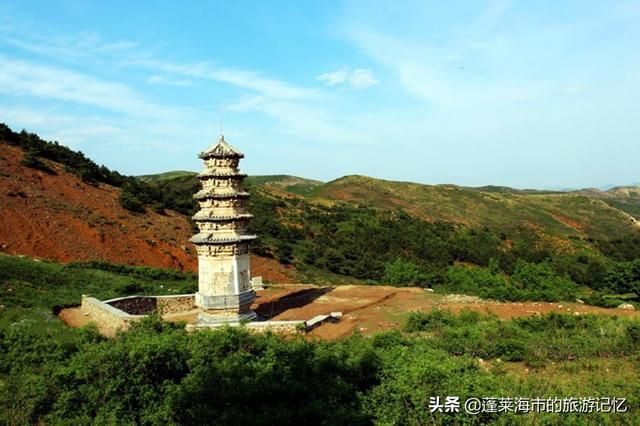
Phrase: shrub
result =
(540, 282)
(479, 281)
(403, 272)
(598, 299)
(131, 202)
(30, 160)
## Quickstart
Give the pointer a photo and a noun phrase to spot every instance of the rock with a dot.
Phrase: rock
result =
(579, 301)
(627, 306)
(429, 290)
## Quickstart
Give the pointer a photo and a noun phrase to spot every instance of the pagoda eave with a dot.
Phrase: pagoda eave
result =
(221, 218)
(206, 156)
(223, 196)
(196, 239)
(202, 176)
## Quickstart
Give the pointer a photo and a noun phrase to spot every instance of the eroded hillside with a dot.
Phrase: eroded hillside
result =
(58, 216)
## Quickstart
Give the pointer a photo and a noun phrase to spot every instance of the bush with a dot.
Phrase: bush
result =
(131, 202)
(130, 288)
(479, 281)
(540, 282)
(403, 272)
(598, 299)
(429, 321)
(157, 373)
(30, 160)
(555, 337)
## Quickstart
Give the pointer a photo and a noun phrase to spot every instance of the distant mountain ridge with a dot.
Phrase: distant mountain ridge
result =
(586, 212)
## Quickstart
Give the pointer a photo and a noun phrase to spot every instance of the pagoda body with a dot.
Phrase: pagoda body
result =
(224, 283)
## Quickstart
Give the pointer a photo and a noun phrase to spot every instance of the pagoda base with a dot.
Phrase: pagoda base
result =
(225, 309)
(222, 317)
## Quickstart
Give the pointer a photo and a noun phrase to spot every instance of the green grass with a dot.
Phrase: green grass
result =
(160, 374)
(30, 289)
(536, 340)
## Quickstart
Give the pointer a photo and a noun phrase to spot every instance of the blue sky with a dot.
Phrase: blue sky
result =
(520, 93)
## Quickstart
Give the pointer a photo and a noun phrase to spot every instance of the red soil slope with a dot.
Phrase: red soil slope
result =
(59, 217)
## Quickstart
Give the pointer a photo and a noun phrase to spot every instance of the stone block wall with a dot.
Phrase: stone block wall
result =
(134, 305)
(173, 304)
(106, 316)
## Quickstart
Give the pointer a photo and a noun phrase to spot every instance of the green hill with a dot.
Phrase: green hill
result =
(361, 228)
(556, 214)
(358, 227)
(293, 184)
(167, 175)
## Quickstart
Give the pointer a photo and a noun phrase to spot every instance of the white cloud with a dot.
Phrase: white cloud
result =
(168, 81)
(336, 77)
(362, 78)
(244, 79)
(28, 78)
(358, 78)
(77, 48)
(574, 89)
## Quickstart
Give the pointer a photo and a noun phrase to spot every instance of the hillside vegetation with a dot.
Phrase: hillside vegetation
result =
(492, 241)
(495, 242)
(60, 214)
(158, 373)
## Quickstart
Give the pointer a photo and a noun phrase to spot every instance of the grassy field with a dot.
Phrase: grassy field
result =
(31, 290)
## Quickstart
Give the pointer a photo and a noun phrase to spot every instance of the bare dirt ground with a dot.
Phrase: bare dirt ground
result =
(371, 309)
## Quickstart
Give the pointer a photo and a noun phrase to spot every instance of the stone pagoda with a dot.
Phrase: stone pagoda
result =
(224, 283)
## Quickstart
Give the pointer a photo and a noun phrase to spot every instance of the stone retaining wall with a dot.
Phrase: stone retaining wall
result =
(134, 305)
(106, 316)
(289, 327)
(146, 305)
(120, 313)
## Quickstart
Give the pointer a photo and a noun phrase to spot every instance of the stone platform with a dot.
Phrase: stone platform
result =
(120, 313)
